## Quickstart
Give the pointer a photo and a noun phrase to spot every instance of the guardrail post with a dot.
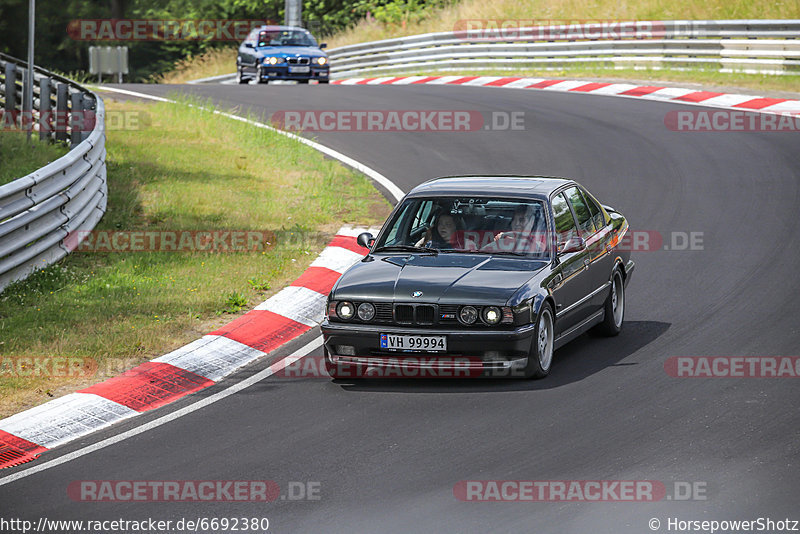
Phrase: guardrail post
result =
(26, 117)
(45, 109)
(62, 94)
(76, 119)
(11, 87)
(89, 110)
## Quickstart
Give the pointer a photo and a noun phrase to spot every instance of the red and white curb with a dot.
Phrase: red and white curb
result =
(645, 92)
(286, 315)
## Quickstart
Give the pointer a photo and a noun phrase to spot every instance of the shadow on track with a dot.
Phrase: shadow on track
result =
(575, 361)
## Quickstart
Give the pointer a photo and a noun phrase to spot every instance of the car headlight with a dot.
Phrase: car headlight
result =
(366, 311)
(491, 315)
(345, 310)
(468, 314)
(322, 60)
(272, 60)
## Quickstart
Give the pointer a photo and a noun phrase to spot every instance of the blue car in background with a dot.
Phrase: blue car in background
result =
(281, 53)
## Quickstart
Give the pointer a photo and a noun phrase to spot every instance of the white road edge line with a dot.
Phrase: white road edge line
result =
(395, 191)
(303, 351)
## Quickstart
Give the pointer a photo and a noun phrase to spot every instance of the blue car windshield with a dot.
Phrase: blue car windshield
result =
(286, 38)
(477, 225)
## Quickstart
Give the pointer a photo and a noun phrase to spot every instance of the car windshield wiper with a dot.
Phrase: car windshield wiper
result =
(502, 253)
(406, 248)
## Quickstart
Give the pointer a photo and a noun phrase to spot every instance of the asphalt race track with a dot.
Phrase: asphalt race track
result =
(388, 453)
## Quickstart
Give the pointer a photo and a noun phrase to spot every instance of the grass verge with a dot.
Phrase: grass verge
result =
(213, 62)
(446, 18)
(182, 169)
(20, 158)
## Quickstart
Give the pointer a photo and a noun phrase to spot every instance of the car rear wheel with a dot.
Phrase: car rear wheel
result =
(541, 355)
(614, 307)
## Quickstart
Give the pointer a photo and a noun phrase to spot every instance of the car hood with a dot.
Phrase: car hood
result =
(290, 51)
(443, 278)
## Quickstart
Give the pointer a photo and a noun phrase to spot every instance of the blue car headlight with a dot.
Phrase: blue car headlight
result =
(272, 60)
(321, 60)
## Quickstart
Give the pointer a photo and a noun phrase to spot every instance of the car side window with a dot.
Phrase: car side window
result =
(594, 208)
(582, 212)
(564, 221)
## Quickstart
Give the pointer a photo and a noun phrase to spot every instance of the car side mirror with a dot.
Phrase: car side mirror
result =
(575, 244)
(365, 240)
(323, 45)
(249, 45)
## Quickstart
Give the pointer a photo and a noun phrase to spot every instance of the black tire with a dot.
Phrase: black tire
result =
(614, 307)
(323, 81)
(240, 79)
(259, 76)
(540, 359)
(302, 81)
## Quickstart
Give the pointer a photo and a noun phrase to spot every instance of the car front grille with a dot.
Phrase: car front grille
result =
(298, 60)
(383, 312)
(404, 313)
(424, 314)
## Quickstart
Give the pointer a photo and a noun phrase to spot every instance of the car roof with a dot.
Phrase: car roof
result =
(492, 184)
(280, 28)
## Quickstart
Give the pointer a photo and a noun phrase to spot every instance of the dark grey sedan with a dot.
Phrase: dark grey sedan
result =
(479, 276)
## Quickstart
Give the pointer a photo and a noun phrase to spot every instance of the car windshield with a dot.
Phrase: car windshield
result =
(286, 38)
(478, 225)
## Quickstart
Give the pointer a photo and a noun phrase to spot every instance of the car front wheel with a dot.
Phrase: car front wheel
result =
(240, 79)
(541, 355)
(260, 76)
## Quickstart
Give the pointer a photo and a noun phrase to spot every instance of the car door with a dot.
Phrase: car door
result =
(602, 262)
(570, 285)
(247, 52)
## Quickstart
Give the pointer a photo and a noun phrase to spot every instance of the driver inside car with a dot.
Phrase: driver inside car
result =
(527, 235)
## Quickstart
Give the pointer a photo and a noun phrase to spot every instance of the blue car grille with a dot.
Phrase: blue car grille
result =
(298, 60)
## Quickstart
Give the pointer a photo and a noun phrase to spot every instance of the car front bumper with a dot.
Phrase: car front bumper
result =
(470, 353)
(275, 72)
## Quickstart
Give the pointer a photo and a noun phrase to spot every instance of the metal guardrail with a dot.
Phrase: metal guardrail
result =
(39, 211)
(763, 46)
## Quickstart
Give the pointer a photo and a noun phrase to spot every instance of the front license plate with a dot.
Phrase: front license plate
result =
(300, 70)
(414, 343)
